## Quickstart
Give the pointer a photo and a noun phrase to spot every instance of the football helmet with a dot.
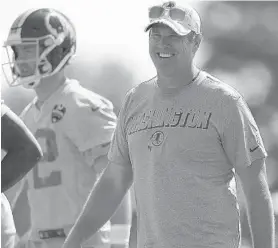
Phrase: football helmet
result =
(40, 43)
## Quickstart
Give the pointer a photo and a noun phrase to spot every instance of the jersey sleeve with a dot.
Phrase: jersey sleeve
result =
(241, 138)
(119, 152)
(4, 108)
(89, 125)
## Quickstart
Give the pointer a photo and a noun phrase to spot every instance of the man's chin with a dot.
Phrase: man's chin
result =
(166, 69)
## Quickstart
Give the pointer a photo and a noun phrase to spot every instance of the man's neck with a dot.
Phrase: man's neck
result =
(178, 79)
(48, 86)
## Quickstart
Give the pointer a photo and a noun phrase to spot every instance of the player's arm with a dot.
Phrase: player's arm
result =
(107, 193)
(259, 203)
(96, 157)
(102, 202)
(121, 223)
(23, 151)
(133, 230)
(244, 147)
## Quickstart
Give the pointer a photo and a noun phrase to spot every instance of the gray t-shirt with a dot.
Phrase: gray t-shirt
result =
(183, 146)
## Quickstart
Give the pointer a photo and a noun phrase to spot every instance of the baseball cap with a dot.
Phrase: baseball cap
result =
(182, 20)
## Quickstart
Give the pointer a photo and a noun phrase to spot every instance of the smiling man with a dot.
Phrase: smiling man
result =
(180, 138)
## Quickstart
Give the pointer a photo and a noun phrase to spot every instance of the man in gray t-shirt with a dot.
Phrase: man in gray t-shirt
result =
(180, 138)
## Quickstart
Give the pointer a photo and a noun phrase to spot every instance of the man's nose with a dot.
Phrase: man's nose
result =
(164, 41)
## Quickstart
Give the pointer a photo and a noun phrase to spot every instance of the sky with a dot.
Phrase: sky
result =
(114, 30)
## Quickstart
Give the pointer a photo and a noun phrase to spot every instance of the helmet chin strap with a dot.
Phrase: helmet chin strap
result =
(31, 84)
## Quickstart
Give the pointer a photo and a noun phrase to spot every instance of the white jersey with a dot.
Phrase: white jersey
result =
(70, 123)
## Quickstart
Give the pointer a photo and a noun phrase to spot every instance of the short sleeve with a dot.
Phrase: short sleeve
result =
(241, 138)
(88, 125)
(119, 152)
(4, 109)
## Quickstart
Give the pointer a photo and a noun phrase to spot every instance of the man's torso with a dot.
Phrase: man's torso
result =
(61, 182)
(183, 184)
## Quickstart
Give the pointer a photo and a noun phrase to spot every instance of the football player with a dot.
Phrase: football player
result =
(73, 125)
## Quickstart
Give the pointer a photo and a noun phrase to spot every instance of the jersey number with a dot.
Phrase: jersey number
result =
(49, 155)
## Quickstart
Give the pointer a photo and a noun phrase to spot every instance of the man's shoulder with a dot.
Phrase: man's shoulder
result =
(75, 96)
(146, 85)
(142, 89)
(74, 92)
(216, 88)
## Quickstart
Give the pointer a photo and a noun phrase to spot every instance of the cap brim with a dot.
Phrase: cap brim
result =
(178, 28)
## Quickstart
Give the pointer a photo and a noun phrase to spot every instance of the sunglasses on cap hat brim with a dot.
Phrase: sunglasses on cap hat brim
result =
(179, 19)
(179, 29)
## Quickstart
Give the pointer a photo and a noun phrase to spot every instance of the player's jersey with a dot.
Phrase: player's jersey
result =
(184, 145)
(72, 121)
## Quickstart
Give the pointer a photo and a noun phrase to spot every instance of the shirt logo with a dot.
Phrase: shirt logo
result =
(156, 139)
(58, 113)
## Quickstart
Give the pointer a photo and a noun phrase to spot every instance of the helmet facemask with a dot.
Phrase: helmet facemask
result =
(28, 71)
